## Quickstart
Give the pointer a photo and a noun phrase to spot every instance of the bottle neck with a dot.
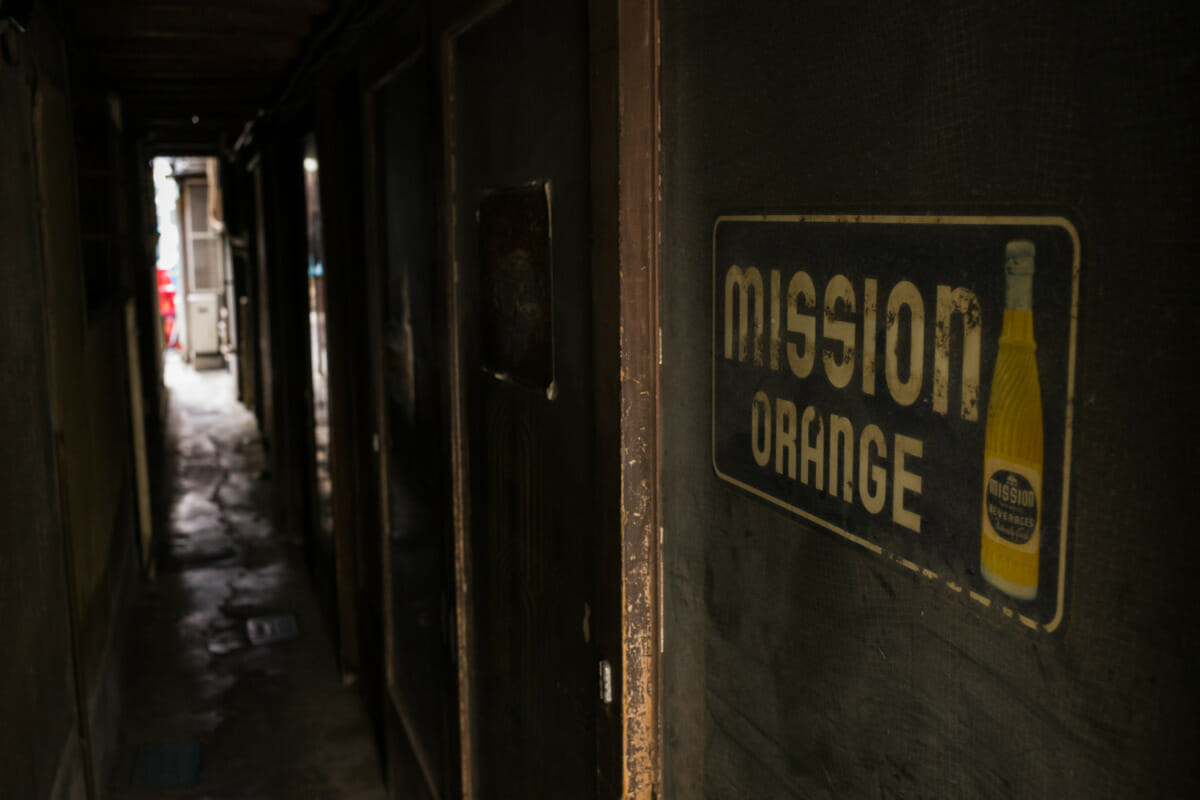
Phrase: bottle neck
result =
(1018, 311)
(1018, 326)
(1018, 292)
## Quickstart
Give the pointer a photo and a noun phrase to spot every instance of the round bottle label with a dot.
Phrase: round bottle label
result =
(1011, 506)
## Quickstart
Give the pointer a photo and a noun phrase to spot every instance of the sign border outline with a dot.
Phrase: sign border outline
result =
(925, 219)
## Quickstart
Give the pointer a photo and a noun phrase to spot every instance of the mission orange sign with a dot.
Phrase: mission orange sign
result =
(906, 383)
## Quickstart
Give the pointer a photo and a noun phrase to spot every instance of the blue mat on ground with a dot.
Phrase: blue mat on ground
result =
(170, 764)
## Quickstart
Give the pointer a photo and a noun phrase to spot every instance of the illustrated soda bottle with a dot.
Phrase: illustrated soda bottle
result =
(1012, 454)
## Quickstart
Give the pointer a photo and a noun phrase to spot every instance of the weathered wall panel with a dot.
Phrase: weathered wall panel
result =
(74, 263)
(39, 703)
(799, 665)
(86, 352)
(285, 291)
(416, 559)
(337, 126)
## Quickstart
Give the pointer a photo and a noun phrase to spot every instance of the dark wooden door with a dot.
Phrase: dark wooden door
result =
(518, 198)
(416, 548)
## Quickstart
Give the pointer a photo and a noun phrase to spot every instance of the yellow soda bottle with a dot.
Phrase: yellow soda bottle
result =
(1012, 453)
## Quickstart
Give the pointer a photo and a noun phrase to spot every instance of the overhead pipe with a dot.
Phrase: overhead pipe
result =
(18, 12)
(348, 13)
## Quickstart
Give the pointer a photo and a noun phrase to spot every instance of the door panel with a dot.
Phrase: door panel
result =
(319, 470)
(520, 128)
(416, 552)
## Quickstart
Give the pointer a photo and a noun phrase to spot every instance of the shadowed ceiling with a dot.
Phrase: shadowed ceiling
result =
(191, 73)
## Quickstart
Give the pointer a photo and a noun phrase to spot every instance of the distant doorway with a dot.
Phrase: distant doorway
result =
(191, 260)
(322, 475)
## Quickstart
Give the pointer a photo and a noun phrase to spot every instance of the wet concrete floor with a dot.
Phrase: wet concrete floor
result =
(271, 720)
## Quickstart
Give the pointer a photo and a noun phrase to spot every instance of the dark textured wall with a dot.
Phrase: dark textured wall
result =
(37, 704)
(70, 257)
(799, 665)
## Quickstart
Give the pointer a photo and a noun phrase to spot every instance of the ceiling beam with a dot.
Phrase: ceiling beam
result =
(193, 50)
(128, 73)
(205, 91)
(186, 9)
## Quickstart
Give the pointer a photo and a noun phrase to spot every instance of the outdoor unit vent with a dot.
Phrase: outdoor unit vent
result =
(197, 199)
(206, 264)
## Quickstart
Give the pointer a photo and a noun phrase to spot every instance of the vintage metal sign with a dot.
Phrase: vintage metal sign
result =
(906, 382)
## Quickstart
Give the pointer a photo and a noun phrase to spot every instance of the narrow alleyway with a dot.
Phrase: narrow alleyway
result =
(209, 707)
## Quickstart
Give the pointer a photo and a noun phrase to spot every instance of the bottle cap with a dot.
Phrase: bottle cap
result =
(1018, 257)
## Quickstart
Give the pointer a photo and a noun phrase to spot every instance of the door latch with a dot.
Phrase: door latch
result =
(605, 682)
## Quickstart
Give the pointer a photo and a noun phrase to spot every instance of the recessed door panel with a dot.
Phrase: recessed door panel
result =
(521, 234)
(416, 547)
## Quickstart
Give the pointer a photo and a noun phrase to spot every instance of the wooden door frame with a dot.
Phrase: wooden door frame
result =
(460, 488)
(371, 84)
(623, 67)
(285, 248)
(340, 575)
(335, 184)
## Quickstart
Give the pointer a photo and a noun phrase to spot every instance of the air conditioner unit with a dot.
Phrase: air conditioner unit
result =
(203, 312)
